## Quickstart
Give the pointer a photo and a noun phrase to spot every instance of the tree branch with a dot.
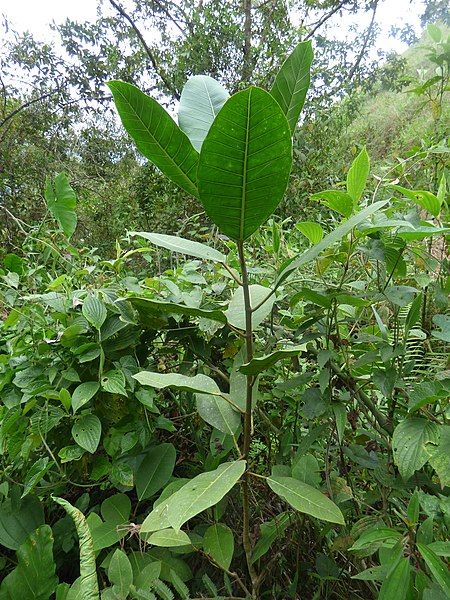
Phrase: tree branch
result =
(159, 71)
(247, 50)
(24, 106)
(365, 42)
(325, 18)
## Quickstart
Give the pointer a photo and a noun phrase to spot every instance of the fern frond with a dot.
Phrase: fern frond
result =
(162, 590)
(179, 585)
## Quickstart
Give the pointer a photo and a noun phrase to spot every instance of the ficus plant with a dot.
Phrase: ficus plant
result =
(233, 153)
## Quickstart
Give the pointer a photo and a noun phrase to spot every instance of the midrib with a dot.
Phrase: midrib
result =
(244, 175)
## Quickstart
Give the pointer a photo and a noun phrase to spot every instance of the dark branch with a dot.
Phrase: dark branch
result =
(365, 42)
(24, 106)
(325, 18)
(159, 71)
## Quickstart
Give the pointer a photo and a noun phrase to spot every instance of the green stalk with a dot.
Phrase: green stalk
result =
(247, 422)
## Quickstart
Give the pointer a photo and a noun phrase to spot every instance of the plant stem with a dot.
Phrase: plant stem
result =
(247, 421)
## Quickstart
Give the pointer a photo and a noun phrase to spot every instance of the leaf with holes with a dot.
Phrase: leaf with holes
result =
(156, 135)
(245, 163)
(87, 431)
(201, 99)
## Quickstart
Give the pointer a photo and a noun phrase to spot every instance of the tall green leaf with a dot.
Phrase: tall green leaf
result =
(218, 542)
(61, 202)
(18, 519)
(155, 470)
(396, 584)
(306, 499)
(88, 572)
(34, 577)
(245, 163)
(292, 82)
(201, 99)
(357, 176)
(437, 567)
(156, 135)
(120, 574)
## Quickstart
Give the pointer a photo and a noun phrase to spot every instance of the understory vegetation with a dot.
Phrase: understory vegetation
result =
(225, 373)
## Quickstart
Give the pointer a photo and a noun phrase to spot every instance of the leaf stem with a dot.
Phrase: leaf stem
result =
(247, 422)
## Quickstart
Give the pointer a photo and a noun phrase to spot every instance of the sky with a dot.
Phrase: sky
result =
(35, 16)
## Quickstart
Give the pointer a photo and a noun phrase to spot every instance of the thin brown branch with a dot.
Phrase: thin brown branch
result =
(325, 18)
(25, 105)
(247, 50)
(365, 42)
(158, 69)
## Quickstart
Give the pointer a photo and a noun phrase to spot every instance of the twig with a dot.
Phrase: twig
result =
(158, 69)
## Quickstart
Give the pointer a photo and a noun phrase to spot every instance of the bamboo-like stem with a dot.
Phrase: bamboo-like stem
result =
(247, 422)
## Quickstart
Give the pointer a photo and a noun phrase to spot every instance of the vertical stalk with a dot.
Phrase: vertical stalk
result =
(247, 421)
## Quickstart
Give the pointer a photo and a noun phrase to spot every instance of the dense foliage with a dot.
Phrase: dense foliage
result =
(257, 410)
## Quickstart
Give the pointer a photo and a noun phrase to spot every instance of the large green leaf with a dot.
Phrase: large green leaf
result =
(342, 230)
(235, 312)
(181, 245)
(150, 309)
(156, 135)
(88, 572)
(292, 82)
(61, 202)
(34, 577)
(18, 519)
(260, 364)
(201, 384)
(155, 470)
(408, 444)
(200, 493)
(219, 413)
(396, 584)
(94, 311)
(306, 499)
(83, 393)
(116, 509)
(245, 163)
(201, 99)
(218, 542)
(437, 567)
(169, 538)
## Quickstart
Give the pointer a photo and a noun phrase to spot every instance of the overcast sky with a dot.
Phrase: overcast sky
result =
(35, 15)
